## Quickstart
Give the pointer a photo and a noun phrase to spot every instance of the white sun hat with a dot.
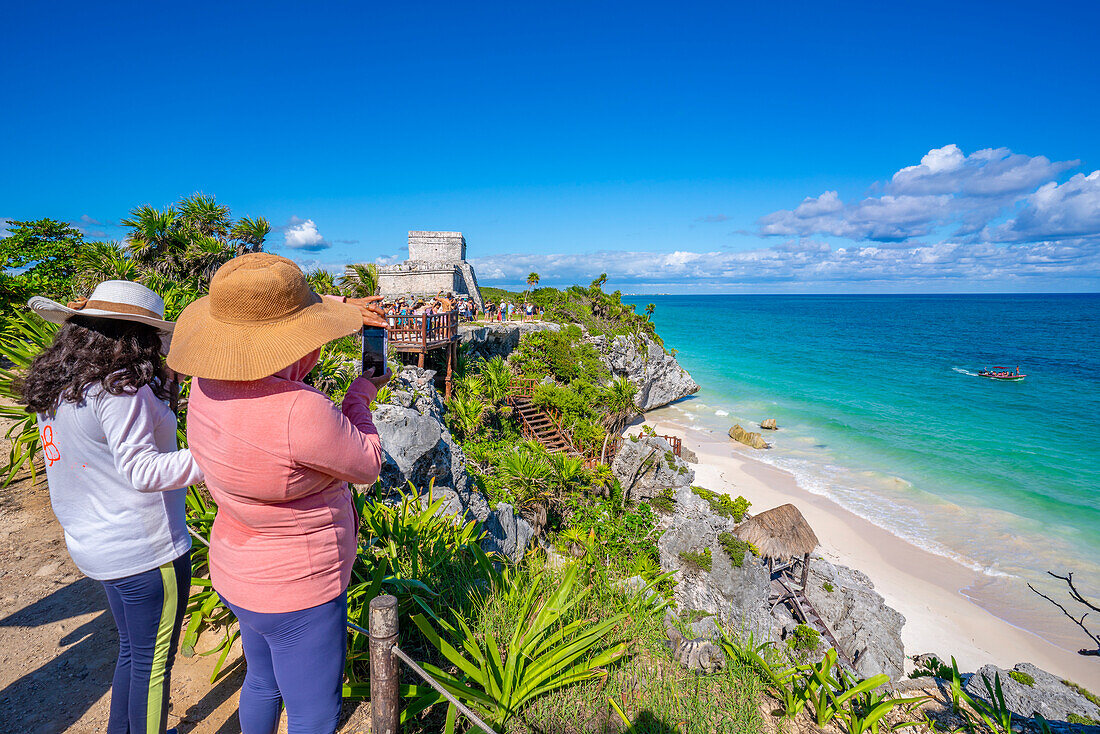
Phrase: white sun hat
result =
(111, 299)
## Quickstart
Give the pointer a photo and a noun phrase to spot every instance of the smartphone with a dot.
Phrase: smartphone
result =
(375, 348)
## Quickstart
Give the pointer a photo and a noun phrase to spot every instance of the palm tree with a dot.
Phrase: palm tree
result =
(249, 234)
(497, 379)
(203, 214)
(360, 280)
(321, 281)
(100, 261)
(466, 412)
(154, 242)
(620, 408)
(532, 280)
(649, 310)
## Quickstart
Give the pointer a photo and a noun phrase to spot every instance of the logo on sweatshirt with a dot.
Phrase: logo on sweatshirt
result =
(48, 446)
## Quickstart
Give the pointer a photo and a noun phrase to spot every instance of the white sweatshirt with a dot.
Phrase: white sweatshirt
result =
(118, 482)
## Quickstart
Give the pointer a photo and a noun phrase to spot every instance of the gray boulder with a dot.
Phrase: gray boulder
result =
(869, 632)
(1047, 696)
(497, 340)
(659, 377)
(647, 467)
(508, 534)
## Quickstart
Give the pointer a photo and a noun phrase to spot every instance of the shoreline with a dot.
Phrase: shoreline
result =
(928, 589)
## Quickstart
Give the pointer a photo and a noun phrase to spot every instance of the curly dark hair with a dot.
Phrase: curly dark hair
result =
(122, 356)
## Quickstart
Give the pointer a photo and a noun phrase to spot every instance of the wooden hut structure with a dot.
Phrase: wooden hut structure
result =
(781, 535)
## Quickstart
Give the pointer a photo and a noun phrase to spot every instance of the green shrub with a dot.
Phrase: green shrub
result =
(804, 639)
(1082, 720)
(1092, 697)
(697, 560)
(736, 548)
(723, 504)
(828, 587)
(1021, 677)
(561, 354)
(665, 502)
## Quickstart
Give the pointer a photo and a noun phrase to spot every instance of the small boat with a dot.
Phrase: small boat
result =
(1002, 373)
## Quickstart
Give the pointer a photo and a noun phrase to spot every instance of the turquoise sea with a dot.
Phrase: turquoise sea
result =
(881, 409)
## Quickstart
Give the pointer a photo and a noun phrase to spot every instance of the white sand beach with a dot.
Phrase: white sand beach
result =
(923, 586)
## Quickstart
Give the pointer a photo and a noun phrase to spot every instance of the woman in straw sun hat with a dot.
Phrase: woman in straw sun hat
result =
(117, 481)
(278, 456)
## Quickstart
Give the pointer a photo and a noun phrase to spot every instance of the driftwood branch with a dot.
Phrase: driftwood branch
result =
(1079, 621)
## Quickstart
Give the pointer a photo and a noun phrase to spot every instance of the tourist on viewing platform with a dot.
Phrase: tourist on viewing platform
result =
(117, 481)
(278, 456)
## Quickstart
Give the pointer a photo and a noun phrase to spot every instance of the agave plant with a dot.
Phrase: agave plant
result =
(543, 654)
(24, 335)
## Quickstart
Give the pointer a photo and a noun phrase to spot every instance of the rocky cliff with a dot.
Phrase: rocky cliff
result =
(417, 447)
(499, 339)
(659, 377)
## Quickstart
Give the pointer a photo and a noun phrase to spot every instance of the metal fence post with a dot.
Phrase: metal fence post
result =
(384, 672)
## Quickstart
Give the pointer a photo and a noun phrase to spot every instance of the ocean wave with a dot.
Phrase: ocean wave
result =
(721, 412)
(870, 507)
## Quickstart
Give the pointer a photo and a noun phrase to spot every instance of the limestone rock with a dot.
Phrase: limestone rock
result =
(688, 455)
(417, 447)
(706, 628)
(738, 597)
(867, 629)
(752, 440)
(499, 339)
(659, 377)
(1049, 696)
(508, 534)
(769, 424)
(647, 467)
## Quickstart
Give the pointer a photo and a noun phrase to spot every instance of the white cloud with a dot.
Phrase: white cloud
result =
(1055, 211)
(302, 234)
(809, 263)
(5, 223)
(946, 189)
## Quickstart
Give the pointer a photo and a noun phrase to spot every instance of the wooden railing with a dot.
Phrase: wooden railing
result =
(523, 387)
(414, 330)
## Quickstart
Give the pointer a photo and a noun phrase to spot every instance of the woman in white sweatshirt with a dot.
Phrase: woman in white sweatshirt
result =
(117, 481)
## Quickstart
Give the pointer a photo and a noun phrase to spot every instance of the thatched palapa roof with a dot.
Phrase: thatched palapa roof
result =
(781, 533)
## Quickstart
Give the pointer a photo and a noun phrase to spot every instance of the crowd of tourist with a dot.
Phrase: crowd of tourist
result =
(398, 311)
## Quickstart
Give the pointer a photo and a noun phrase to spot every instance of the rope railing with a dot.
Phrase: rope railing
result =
(385, 706)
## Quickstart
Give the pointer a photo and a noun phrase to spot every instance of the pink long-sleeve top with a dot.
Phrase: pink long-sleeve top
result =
(278, 455)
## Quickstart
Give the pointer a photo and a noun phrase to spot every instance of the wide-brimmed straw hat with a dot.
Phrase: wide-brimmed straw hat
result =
(260, 317)
(111, 299)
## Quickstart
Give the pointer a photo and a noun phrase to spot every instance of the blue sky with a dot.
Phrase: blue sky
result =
(678, 147)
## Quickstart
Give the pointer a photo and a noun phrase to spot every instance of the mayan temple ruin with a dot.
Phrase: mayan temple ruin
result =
(437, 262)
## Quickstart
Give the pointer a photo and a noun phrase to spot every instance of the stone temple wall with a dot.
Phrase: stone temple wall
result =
(426, 282)
(437, 262)
(437, 247)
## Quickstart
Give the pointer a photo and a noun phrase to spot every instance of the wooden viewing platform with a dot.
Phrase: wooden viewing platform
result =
(421, 334)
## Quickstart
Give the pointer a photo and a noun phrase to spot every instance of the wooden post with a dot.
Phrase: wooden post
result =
(450, 368)
(384, 671)
(805, 570)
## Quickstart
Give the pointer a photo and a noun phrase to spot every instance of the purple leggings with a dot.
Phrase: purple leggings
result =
(296, 659)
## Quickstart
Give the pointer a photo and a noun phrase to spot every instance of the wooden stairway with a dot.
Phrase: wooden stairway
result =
(782, 592)
(541, 427)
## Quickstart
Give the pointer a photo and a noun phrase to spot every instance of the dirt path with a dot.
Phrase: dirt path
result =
(58, 642)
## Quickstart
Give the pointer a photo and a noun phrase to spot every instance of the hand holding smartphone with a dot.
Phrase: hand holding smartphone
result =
(375, 349)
